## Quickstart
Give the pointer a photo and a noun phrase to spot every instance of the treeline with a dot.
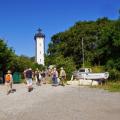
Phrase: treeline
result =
(9, 60)
(101, 44)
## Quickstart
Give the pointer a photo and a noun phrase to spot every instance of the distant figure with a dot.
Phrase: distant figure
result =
(28, 78)
(43, 74)
(48, 77)
(62, 76)
(9, 82)
(37, 77)
(54, 77)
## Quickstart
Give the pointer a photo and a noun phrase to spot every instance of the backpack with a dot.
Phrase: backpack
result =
(28, 74)
(54, 74)
(7, 77)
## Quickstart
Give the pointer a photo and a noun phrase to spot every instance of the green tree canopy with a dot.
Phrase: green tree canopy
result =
(101, 42)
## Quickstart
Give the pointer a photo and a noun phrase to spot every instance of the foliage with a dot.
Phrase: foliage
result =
(114, 75)
(110, 86)
(9, 60)
(114, 87)
(22, 62)
(6, 55)
(67, 63)
(101, 45)
(98, 69)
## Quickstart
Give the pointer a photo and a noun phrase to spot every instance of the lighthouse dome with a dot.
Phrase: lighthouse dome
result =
(39, 34)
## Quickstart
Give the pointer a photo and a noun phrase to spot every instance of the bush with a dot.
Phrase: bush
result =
(114, 75)
(113, 87)
(67, 63)
(98, 69)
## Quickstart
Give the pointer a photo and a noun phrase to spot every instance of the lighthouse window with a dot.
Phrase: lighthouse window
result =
(40, 44)
(40, 60)
(40, 52)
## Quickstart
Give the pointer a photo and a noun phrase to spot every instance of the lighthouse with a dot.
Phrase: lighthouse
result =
(39, 47)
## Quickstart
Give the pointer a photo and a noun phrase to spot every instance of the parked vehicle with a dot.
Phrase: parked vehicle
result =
(87, 74)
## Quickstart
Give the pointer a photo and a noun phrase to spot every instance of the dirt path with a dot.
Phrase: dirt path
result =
(59, 103)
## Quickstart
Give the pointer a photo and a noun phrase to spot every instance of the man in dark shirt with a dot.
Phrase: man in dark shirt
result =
(28, 77)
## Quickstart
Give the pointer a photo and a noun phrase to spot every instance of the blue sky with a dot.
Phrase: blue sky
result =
(20, 19)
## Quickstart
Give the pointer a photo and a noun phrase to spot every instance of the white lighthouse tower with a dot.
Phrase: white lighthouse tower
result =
(39, 47)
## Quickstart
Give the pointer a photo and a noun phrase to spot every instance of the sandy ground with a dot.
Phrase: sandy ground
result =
(59, 103)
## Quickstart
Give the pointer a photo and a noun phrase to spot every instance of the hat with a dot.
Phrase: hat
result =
(9, 71)
(30, 68)
(61, 68)
(54, 68)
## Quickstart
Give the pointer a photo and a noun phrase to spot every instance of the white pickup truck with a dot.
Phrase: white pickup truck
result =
(86, 73)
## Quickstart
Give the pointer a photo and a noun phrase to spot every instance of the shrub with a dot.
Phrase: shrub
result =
(98, 69)
(114, 75)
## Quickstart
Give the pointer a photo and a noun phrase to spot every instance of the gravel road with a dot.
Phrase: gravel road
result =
(59, 103)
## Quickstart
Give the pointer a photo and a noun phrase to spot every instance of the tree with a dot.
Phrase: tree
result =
(6, 55)
(101, 42)
(59, 61)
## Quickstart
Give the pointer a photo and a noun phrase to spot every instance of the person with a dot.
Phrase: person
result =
(28, 76)
(9, 82)
(37, 77)
(48, 77)
(43, 74)
(62, 76)
(54, 77)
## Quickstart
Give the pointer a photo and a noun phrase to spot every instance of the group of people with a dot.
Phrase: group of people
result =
(58, 78)
(40, 77)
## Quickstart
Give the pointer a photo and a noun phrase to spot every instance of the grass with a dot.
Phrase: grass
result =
(113, 87)
(110, 86)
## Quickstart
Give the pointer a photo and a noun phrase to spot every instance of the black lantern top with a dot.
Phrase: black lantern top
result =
(39, 34)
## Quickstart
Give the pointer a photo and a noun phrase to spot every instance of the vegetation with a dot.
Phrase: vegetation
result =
(113, 87)
(6, 55)
(60, 61)
(101, 46)
(101, 40)
(9, 60)
(110, 86)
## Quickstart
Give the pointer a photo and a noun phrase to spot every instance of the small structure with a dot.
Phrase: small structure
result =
(39, 47)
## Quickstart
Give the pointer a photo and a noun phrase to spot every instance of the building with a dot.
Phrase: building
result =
(39, 47)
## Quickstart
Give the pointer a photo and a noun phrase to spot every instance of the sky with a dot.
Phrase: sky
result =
(20, 19)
